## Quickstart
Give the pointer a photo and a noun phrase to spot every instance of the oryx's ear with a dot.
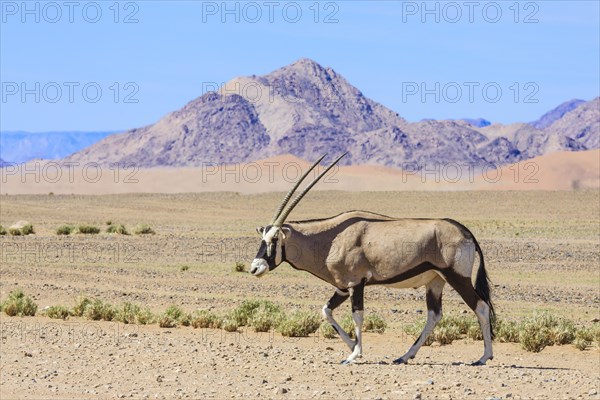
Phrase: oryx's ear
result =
(260, 230)
(287, 232)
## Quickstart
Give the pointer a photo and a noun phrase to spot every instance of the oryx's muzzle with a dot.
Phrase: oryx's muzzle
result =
(259, 267)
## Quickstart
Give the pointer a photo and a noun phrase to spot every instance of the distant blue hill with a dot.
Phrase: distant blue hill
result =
(478, 122)
(20, 146)
(557, 113)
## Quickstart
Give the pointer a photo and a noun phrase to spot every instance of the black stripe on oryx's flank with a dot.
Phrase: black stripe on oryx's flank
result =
(418, 270)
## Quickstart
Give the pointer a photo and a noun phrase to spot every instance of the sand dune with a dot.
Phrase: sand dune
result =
(557, 171)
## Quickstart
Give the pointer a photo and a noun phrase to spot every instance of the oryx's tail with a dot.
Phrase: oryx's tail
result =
(482, 285)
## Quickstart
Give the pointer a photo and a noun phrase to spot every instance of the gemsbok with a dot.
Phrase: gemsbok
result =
(358, 248)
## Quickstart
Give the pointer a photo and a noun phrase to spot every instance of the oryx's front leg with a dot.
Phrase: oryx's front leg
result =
(338, 298)
(358, 293)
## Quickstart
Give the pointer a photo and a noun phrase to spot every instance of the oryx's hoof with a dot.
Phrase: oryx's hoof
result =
(347, 362)
(400, 361)
(480, 362)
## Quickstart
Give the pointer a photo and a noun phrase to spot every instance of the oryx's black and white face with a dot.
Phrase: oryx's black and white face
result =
(272, 248)
(270, 253)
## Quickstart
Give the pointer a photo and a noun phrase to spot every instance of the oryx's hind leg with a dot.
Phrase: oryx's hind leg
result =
(465, 289)
(358, 293)
(338, 298)
(434, 313)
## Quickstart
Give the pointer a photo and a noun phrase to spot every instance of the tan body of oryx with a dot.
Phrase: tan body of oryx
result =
(358, 248)
(357, 245)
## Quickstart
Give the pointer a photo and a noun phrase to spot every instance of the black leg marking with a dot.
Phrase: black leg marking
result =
(358, 297)
(463, 287)
(337, 299)
(434, 303)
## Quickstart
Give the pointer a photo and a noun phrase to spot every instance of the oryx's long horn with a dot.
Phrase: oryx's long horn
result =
(291, 192)
(281, 218)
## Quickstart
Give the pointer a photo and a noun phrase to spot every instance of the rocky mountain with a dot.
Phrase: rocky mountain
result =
(306, 110)
(556, 113)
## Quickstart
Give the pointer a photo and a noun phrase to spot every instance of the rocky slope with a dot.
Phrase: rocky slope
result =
(306, 110)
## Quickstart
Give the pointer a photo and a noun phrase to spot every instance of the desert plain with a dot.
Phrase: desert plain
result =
(542, 253)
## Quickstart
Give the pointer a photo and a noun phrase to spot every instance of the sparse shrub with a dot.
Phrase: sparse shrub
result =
(186, 319)
(229, 324)
(144, 230)
(184, 268)
(327, 330)
(166, 321)
(118, 229)
(81, 305)
(563, 332)
(51, 194)
(507, 331)
(27, 229)
(97, 310)
(446, 334)
(299, 323)
(374, 323)
(18, 304)
(88, 229)
(127, 313)
(534, 338)
(15, 232)
(57, 312)
(584, 337)
(109, 222)
(239, 267)
(265, 317)
(174, 312)
(460, 322)
(65, 230)
(2, 231)
(145, 317)
(204, 319)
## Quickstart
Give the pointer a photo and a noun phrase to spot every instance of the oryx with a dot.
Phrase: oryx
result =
(358, 248)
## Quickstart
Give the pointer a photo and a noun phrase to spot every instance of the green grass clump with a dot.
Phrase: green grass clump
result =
(57, 312)
(144, 230)
(507, 331)
(374, 323)
(229, 324)
(145, 316)
(127, 313)
(166, 321)
(27, 230)
(2, 231)
(98, 310)
(118, 229)
(65, 230)
(585, 337)
(184, 268)
(18, 304)
(265, 317)
(544, 329)
(88, 229)
(174, 312)
(205, 319)
(299, 323)
(80, 306)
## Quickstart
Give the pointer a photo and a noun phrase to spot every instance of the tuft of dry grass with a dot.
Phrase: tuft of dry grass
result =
(88, 229)
(2, 231)
(205, 319)
(239, 267)
(299, 323)
(57, 312)
(374, 323)
(118, 229)
(18, 304)
(65, 230)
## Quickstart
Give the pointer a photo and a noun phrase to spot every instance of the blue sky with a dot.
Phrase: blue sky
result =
(537, 54)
